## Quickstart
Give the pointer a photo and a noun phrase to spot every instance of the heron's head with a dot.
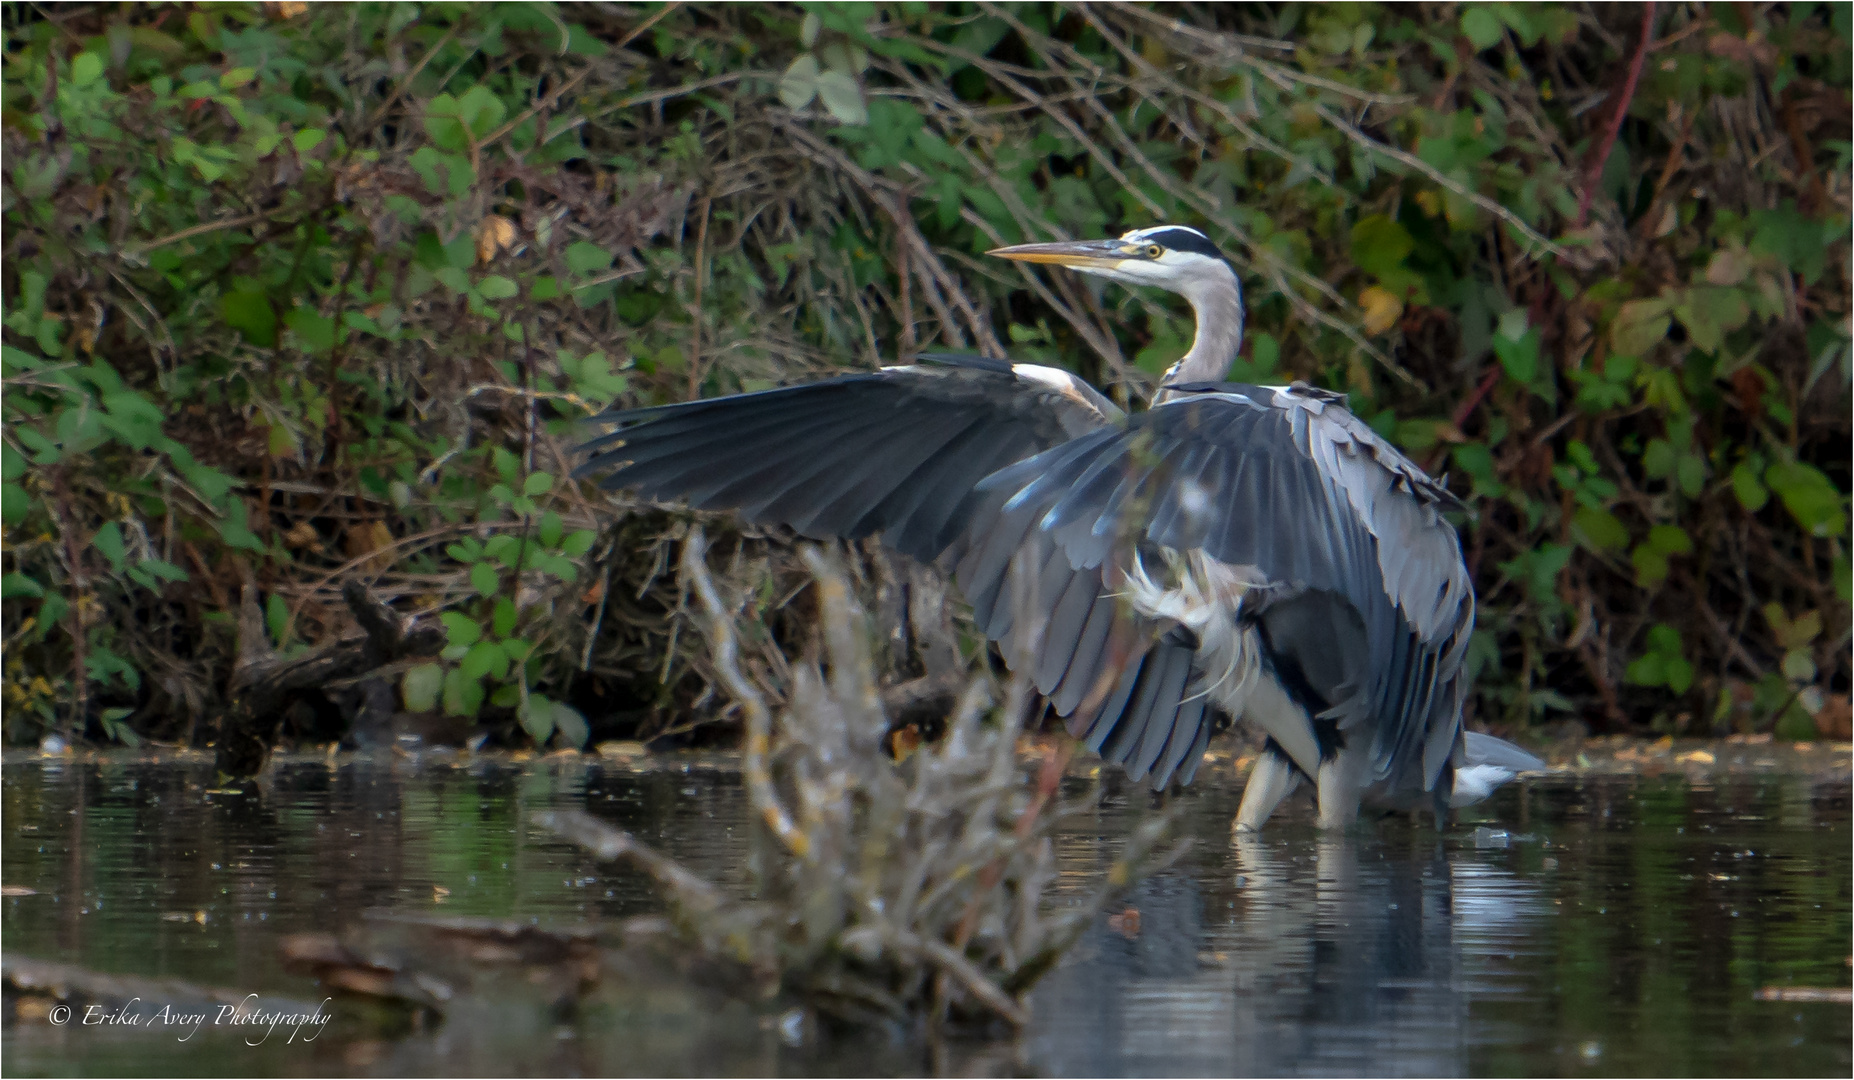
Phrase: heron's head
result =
(1172, 257)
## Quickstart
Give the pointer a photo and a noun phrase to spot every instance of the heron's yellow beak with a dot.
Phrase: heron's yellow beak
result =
(1102, 254)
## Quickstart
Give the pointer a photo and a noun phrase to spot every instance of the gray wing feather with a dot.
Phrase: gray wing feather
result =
(1066, 697)
(844, 457)
(1483, 749)
(1313, 499)
(901, 452)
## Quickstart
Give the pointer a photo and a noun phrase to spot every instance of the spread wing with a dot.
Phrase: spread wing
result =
(1292, 485)
(897, 452)
(900, 453)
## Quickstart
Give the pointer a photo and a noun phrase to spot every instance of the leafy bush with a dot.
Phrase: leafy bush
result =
(295, 293)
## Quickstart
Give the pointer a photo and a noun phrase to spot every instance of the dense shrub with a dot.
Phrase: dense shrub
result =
(296, 293)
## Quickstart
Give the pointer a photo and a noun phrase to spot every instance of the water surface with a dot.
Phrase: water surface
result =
(1573, 927)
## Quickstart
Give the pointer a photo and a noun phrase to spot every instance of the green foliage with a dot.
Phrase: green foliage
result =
(1664, 664)
(295, 296)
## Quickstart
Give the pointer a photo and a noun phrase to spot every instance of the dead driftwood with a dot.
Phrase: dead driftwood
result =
(882, 891)
(265, 686)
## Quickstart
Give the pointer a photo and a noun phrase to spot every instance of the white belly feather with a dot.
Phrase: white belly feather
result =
(1205, 596)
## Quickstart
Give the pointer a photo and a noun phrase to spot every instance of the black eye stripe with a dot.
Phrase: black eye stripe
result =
(1182, 240)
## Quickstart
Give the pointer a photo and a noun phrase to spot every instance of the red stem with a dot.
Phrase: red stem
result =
(1480, 393)
(1594, 171)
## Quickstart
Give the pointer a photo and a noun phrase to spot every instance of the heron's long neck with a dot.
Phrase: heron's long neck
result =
(1218, 304)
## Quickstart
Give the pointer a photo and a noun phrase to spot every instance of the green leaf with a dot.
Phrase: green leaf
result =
(484, 658)
(443, 174)
(1481, 26)
(547, 530)
(249, 312)
(1670, 540)
(461, 629)
(481, 110)
(1659, 460)
(485, 579)
(234, 530)
(165, 570)
(1516, 17)
(842, 98)
(537, 484)
(1810, 497)
(1691, 473)
(503, 548)
(571, 726)
(503, 620)
(1795, 239)
(443, 123)
(1664, 664)
(1647, 670)
(307, 139)
(462, 697)
(1708, 313)
(1379, 246)
(578, 543)
(276, 618)
(1519, 357)
(13, 585)
(497, 287)
(537, 719)
(1678, 674)
(15, 504)
(1752, 494)
(108, 540)
(1640, 325)
(420, 687)
(133, 418)
(236, 77)
(316, 332)
(1600, 529)
(584, 257)
(86, 68)
(1650, 566)
(580, 42)
(799, 84)
(453, 279)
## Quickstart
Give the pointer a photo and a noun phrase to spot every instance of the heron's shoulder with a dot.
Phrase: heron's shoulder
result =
(1328, 424)
(1331, 419)
(1065, 384)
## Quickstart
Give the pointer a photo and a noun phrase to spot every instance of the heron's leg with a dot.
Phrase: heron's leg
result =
(1271, 779)
(1341, 783)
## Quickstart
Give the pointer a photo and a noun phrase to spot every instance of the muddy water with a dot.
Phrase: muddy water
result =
(1593, 926)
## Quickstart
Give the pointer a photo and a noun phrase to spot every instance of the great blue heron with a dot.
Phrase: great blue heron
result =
(1234, 551)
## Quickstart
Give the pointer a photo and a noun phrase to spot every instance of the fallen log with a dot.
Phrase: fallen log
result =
(264, 685)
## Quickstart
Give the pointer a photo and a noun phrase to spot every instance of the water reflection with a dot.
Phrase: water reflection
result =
(1624, 929)
(1339, 957)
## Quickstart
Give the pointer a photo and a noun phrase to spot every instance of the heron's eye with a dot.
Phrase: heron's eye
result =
(1153, 251)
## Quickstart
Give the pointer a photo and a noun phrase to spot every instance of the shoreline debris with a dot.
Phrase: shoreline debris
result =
(910, 891)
